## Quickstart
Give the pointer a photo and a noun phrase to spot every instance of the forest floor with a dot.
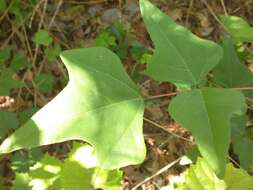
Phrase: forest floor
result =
(75, 24)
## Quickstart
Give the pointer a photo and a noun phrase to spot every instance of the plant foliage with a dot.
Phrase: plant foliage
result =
(177, 57)
(200, 176)
(90, 109)
(102, 106)
(207, 113)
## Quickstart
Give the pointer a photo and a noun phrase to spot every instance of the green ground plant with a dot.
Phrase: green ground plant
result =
(102, 107)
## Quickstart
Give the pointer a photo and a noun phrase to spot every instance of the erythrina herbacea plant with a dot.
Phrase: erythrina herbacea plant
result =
(102, 106)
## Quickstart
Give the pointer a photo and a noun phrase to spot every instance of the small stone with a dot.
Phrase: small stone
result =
(131, 7)
(95, 10)
(111, 15)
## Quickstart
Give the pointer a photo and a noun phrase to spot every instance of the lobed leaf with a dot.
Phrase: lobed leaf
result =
(180, 56)
(230, 72)
(237, 178)
(242, 144)
(238, 28)
(100, 105)
(200, 176)
(207, 113)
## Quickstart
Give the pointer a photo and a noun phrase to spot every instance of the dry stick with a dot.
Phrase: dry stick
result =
(60, 67)
(232, 160)
(11, 35)
(63, 37)
(87, 2)
(162, 95)
(243, 88)
(34, 11)
(163, 128)
(157, 173)
(30, 53)
(17, 32)
(6, 11)
(40, 24)
(49, 26)
(224, 7)
(189, 11)
(55, 13)
(212, 13)
(27, 41)
(37, 49)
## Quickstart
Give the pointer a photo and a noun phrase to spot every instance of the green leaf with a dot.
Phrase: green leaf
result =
(42, 37)
(243, 149)
(180, 56)
(5, 54)
(105, 39)
(8, 121)
(238, 124)
(190, 156)
(45, 174)
(44, 82)
(238, 179)
(21, 182)
(238, 28)
(18, 62)
(77, 152)
(2, 186)
(206, 113)
(100, 105)
(74, 176)
(242, 144)
(25, 115)
(200, 176)
(141, 54)
(7, 83)
(21, 162)
(89, 174)
(17, 11)
(2, 6)
(230, 72)
(53, 52)
(107, 180)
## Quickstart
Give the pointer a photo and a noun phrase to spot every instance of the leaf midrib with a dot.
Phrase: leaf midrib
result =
(173, 46)
(76, 114)
(120, 136)
(208, 120)
(112, 77)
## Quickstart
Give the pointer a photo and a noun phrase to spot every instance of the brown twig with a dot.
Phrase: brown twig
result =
(165, 129)
(212, 13)
(6, 11)
(11, 35)
(34, 11)
(165, 168)
(55, 13)
(224, 7)
(27, 41)
(162, 95)
(232, 160)
(244, 88)
(87, 2)
(40, 24)
(189, 11)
